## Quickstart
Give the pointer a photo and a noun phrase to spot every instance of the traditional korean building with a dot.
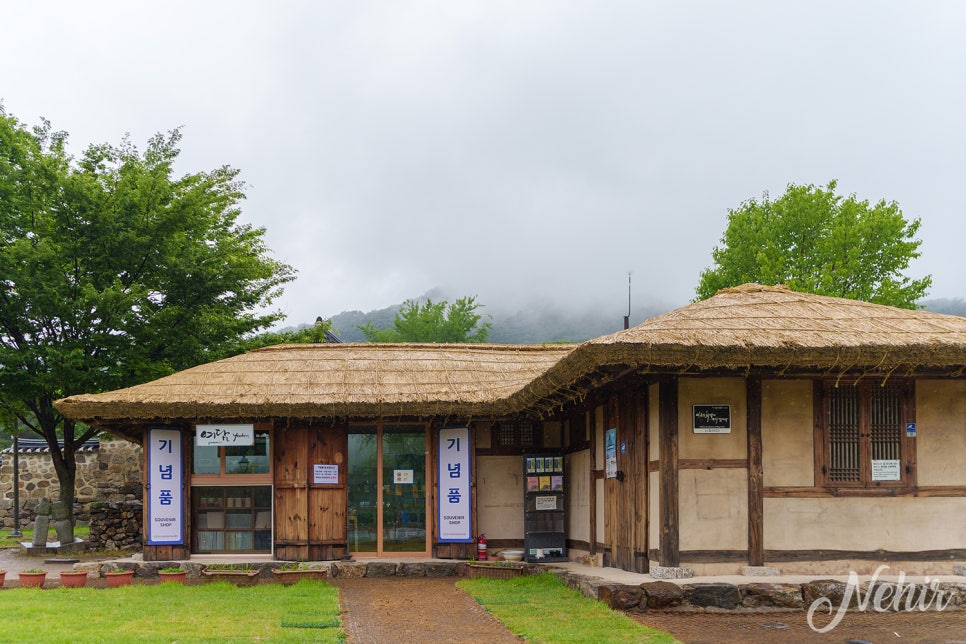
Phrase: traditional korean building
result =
(760, 426)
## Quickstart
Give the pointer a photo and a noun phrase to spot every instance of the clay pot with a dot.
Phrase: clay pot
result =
(32, 579)
(73, 578)
(119, 578)
(175, 577)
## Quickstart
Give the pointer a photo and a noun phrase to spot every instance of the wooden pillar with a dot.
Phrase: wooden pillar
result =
(670, 547)
(756, 510)
(592, 500)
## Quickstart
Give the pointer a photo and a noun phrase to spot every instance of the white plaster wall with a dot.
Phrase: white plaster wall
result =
(788, 457)
(712, 391)
(901, 524)
(941, 432)
(713, 509)
(577, 467)
(499, 496)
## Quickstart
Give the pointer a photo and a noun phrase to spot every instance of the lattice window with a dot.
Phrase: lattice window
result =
(864, 427)
(516, 434)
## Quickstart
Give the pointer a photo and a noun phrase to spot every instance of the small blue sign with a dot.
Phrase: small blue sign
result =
(910, 430)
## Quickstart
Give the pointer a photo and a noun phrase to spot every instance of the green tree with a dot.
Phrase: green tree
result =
(113, 271)
(816, 241)
(433, 322)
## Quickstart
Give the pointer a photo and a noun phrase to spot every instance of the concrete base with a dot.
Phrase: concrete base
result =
(760, 571)
(667, 572)
(959, 570)
(52, 548)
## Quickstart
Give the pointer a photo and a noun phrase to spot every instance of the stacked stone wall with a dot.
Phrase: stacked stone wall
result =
(110, 474)
(116, 526)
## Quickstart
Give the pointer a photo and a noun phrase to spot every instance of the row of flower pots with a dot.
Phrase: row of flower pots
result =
(239, 576)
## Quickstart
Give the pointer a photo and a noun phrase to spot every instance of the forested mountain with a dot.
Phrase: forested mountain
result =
(543, 322)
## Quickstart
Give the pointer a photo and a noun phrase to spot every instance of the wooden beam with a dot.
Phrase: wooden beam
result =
(712, 463)
(670, 545)
(592, 500)
(756, 506)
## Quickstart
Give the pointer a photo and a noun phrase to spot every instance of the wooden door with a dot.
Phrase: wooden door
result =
(626, 496)
(310, 517)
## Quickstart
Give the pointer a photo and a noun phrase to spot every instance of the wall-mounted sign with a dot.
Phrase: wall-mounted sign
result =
(208, 435)
(910, 430)
(325, 474)
(545, 503)
(402, 477)
(886, 470)
(164, 487)
(610, 453)
(712, 419)
(455, 508)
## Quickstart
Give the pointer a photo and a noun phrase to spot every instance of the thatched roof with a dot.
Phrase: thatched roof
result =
(753, 326)
(331, 381)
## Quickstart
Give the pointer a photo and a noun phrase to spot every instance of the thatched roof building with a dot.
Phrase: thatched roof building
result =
(330, 381)
(743, 329)
(755, 328)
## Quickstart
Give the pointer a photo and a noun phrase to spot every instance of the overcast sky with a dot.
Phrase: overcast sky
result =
(515, 150)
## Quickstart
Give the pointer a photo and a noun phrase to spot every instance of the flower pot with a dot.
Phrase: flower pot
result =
(174, 577)
(289, 577)
(3, 576)
(73, 578)
(32, 579)
(119, 578)
(236, 577)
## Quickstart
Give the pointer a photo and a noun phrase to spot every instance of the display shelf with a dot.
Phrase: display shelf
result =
(544, 503)
(232, 519)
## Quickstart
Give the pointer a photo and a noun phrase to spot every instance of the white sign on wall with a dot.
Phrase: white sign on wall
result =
(455, 509)
(886, 470)
(209, 435)
(325, 474)
(164, 493)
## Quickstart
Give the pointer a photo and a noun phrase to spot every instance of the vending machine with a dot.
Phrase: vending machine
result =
(544, 520)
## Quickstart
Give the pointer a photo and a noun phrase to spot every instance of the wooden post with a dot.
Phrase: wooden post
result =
(592, 500)
(756, 509)
(670, 547)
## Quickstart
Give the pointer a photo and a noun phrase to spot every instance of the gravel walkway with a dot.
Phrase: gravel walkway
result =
(420, 609)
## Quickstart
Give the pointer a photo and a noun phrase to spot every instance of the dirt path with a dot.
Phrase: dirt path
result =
(400, 609)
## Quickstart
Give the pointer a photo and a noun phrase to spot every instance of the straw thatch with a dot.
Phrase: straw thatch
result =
(769, 327)
(331, 381)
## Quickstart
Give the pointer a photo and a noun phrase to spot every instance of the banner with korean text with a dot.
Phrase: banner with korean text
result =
(455, 507)
(165, 507)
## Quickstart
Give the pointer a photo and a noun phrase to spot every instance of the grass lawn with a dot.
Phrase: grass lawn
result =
(6, 541)
(213, 612)
(540, 608)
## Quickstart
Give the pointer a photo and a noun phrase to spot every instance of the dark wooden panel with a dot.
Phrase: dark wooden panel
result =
(756, 506)
(670, 544)
(712, 463)
(775, 556)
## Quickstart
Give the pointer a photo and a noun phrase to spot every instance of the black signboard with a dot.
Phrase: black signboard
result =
(712, 419)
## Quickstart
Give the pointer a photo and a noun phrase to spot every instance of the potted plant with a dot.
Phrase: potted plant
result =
(3, 576)
(237, 574)
(117, 578)
(174, 574)
(73, 578)
(290, 573)
(33, 577)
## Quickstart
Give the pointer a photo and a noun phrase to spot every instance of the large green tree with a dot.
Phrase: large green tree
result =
(816, 241)
(433, 322)
(114, 271)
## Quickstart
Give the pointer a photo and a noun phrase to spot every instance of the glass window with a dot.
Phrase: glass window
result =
(236, 459)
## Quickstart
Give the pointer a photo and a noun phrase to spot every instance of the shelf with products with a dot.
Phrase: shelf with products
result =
(232, 518)
(544, 502)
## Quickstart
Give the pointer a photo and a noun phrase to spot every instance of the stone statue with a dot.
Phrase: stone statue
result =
(41, 522)
(62, 523)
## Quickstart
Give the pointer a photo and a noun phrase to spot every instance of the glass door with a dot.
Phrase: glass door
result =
(387, 489)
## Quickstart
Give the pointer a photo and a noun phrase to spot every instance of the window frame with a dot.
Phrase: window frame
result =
(234, 479)
(823, 442)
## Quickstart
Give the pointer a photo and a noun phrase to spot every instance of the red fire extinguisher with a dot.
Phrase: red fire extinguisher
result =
(481, 548)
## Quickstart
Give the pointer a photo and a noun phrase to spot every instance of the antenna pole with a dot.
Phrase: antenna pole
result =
(627, 318)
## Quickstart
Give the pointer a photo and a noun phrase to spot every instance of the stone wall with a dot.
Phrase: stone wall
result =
(116, 526)
(109, 474)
